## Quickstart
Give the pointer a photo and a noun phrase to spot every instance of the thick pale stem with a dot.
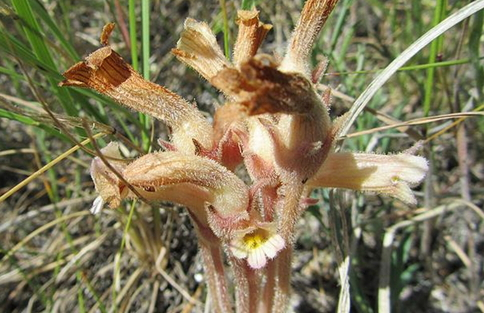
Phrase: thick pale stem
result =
(247, 286)
(290, 211)
(277, 289)
(214, 270)
(314, 15)
(282, 293)
(269, 288)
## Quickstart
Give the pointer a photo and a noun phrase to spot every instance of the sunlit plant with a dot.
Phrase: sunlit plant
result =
(274, 125)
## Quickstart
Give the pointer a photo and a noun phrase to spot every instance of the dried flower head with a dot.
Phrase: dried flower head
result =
(274, 123)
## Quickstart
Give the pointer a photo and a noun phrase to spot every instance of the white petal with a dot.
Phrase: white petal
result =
(257, 259)
(273, 246)
(97, 205)
(238, 249)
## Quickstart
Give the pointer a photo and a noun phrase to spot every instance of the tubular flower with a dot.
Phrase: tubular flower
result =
(392, 175)
(274, 123)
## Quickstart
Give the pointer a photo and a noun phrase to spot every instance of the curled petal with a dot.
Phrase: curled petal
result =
(106, 72)
(97, 205)
(198, 49)
(392, 175)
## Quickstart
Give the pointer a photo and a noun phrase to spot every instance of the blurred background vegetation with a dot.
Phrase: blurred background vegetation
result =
(56, 256)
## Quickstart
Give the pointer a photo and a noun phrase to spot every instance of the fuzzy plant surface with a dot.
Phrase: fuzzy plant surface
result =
(274, 128)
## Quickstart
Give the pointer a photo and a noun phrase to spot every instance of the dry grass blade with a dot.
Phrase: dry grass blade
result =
(48, 166)
(384, 303)
(344, 302)
(172, 282)
(459, 251)
(43, 228)
(75, 261)
(417, 121)
(45, 209)
(130, 284)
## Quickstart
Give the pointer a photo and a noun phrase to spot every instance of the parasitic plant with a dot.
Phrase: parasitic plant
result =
(273, 123)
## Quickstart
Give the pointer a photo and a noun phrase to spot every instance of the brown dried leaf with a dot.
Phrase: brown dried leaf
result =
(106, 33)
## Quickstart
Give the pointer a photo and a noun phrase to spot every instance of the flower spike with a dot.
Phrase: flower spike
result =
(274, 123)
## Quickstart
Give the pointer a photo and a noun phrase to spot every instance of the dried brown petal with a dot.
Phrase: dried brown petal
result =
(262, 88)
(198, 49)
(250, 36)
(313, 16)
(106, 33)
(106, 72)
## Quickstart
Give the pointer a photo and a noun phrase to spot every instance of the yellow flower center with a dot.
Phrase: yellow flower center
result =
(256, 238)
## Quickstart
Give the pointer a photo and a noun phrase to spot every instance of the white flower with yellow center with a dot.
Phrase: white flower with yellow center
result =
(257, 245)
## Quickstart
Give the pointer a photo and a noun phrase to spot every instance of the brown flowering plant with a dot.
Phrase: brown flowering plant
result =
(274, 124)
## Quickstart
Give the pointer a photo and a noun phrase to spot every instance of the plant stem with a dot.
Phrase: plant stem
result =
(282, 287)
(214, 270)
(269, 288)
(247, 286)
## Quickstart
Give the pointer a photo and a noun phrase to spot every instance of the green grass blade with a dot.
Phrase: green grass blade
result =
(132, 35)
(52, 26)
(475, 50)
(435, 46)
(403, 58)
(226, 30)
(248, 4)
(145, 48)
(32, 29)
